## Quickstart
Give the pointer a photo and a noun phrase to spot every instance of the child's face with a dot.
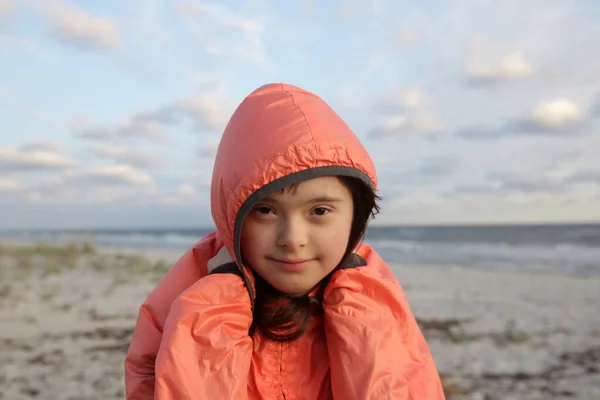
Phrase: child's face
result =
(293, 239)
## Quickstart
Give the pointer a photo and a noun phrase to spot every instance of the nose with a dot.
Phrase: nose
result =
(293, 234)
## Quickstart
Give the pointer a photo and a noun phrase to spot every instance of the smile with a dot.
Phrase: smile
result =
(291, 265)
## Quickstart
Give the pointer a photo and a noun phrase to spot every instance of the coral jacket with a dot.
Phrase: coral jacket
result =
(191, 339)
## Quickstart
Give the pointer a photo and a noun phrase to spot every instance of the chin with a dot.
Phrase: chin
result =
(293, 290)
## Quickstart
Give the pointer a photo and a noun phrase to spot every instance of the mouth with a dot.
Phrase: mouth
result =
(288, 261)
(293, 265)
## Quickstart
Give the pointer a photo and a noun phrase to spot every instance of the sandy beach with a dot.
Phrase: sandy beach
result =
(67, 313)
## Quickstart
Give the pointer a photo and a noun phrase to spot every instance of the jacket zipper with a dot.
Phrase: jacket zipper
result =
(281, 368)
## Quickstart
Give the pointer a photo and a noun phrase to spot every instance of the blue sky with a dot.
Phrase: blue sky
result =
(473, 111)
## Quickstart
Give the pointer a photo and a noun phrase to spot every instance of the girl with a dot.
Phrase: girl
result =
(282, 301)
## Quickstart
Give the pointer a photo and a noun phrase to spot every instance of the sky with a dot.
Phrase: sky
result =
(474, 111)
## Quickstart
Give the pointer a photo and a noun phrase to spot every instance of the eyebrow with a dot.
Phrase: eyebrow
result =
(320, 199)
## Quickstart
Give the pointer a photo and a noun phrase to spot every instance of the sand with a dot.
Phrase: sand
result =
(66, 316)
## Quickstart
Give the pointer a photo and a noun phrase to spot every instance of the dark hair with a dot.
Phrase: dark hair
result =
(284, 318)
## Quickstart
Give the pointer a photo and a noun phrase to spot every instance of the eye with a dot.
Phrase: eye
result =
(263, 210)
(320, 211)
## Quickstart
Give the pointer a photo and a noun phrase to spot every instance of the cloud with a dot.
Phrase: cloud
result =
(87, 128)
(63, 193)
(208, 150)
(54, 190)
(186, 189)
(106, 195)
(139, 194)
(141, 126)
(9, 185)
(6, 7)
(205, 110)
(551, 118)
(490, 63)
(506, 183)
(113, 175)
(108, 184)
(12, 100)
(408, 36)
(184, 194)
(201, 178)
(595, 108)
(527, 186)
(224, 33)
(407, 99)
(404, 111)
(93, 185)
(146, 22)
(207, 77)
(7, 10)
(585, 176)
(556, 114)
(121, 185)
(41, 145)
(57, 188)
(512, 66)
(185, 8)
(439, 166)
(500, 189)
(347, 12)
(14, 43)
(134, 157)
(431, 172)
(486, 209)
(218, 14)
(206, 113)
(398, 125)
(472, 189)
(32, 160)
(75, 27)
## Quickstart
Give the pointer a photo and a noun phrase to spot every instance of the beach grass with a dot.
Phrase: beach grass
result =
(22, 265)
(52, 259)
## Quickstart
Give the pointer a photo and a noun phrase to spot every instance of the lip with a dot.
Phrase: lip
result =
(291, 265)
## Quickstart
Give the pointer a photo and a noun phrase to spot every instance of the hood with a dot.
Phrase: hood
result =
(279, 135)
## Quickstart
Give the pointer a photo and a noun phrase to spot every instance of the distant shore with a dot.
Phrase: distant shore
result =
(67, 312)
(566, 248)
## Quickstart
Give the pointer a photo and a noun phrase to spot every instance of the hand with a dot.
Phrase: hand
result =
(206, 351)
(376, 348)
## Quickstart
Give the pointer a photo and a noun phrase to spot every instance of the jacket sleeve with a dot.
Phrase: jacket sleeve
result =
(206, 351)
(147, 333)
(376, 348)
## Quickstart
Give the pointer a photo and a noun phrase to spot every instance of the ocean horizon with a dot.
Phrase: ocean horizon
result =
(565, 247)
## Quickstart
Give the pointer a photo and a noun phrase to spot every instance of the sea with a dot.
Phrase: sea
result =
(570, 248)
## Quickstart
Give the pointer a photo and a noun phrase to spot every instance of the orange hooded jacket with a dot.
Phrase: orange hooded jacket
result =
(191, 338)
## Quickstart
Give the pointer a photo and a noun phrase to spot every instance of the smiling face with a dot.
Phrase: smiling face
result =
(294, 238)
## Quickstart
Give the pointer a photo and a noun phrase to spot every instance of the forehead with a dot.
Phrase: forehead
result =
(322, 186)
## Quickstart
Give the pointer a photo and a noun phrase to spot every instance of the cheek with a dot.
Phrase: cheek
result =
(253, 240)
(335, 241)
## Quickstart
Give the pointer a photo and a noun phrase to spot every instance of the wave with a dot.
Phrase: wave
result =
(563, 247)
